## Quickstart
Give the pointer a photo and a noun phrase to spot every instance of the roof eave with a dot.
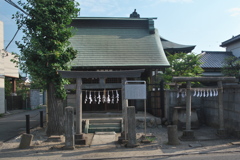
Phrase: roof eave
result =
(113, 18)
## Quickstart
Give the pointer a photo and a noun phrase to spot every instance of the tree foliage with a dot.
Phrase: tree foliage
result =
(45, 50)
(45, 47)
(182, 64)
(231, 66)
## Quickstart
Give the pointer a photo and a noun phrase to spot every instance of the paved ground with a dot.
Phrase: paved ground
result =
(14, 122)
(206, 143)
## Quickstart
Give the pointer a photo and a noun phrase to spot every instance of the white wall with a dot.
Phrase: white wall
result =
(235, 48)
(2, 95)
(7, 68)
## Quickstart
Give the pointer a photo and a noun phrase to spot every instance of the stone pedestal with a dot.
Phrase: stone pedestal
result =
(172, 135)
(188, 135)
(79, 139)
(56, 138)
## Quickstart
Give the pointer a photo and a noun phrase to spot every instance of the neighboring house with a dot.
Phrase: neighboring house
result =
(233, 45)
(7, 70)
(213, 61)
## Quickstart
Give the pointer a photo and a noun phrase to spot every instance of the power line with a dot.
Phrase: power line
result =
(16, 6)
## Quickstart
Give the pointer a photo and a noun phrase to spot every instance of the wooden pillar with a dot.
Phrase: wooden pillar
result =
(220, 108)
(162, 100)
(188, 134)
(14, 85)
(79, 106)
(124, 108)
(79, 139)
(188, 107)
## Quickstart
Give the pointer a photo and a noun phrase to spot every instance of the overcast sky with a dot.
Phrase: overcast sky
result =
(204, 23)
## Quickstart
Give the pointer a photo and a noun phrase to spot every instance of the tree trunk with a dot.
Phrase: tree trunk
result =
(55, 124)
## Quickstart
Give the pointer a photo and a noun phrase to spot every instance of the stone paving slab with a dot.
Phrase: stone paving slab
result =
(104, 139)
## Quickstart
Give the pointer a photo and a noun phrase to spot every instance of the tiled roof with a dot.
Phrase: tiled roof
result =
(213, 59)
(172, 47)
(117, 47)
(231, 40)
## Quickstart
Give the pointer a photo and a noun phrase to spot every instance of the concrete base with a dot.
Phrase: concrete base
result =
(26, 141)
(79, 139)
(122, 140)
(129, 145)
(145, 141)
(56, 138)
(188, 135)
(68, 148)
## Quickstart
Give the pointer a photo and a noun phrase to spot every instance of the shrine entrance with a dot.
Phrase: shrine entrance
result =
(188, 134)
(99, 92)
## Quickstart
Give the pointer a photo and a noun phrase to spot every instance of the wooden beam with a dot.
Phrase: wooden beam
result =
(95, 86)
(79, 106)
(101, 74)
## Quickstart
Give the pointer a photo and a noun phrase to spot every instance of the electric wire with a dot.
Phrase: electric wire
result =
(16, 6)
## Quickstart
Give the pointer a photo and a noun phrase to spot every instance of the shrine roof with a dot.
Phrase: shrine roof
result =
(172, 47)
(110, 42)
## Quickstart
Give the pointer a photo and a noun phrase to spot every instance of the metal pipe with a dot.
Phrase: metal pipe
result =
(27, 124)
(41, 119)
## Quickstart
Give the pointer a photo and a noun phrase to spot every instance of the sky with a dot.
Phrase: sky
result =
(204, 23)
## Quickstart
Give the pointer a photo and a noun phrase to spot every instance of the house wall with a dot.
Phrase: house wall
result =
(10, 69)
(235, 48)
(231, 106)
(35, 98)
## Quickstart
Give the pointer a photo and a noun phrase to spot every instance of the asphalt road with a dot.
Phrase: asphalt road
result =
(211, 156)
(13, 125)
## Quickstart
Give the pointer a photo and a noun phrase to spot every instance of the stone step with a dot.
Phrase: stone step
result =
(105, 120)
(92, 125)
(104, 129)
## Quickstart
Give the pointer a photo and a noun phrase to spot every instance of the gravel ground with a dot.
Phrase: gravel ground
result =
(40, 149)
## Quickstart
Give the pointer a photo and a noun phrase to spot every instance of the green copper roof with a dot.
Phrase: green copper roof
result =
(117, 47)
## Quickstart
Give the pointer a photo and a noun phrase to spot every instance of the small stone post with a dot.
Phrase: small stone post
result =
(172, 135)
(132, 140)
(69, 128)
(26, 141)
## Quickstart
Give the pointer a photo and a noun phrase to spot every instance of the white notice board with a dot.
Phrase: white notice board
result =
(135, 90)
